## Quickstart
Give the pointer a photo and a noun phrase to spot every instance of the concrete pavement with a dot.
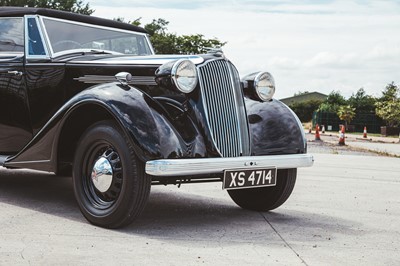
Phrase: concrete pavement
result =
(384, 145)
(385, 148)
(344, 211)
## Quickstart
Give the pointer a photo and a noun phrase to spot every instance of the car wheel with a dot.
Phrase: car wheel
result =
(266, 198)
(110, 184)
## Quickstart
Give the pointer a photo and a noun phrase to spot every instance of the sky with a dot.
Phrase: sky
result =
(307, 45)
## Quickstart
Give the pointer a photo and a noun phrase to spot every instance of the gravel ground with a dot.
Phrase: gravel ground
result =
(323, 146)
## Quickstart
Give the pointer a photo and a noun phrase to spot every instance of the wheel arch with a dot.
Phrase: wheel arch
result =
(73, 126)
(137, 115)
(134, 111)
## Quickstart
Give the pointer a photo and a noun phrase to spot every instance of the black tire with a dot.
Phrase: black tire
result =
(126, 195)
(266, 198)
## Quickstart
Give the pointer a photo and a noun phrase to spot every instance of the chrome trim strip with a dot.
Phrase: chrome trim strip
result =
(24, 162)
(11, 54)
(98, 79)
(188, 167)
(143, 60)
(41, 165)
(6, 57)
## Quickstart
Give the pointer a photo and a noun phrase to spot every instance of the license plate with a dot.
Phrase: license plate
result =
(249, 178)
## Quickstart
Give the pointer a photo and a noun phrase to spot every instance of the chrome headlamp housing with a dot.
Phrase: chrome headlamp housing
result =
(259, 85)
(179, 75)
(265, 86)
(184, 75)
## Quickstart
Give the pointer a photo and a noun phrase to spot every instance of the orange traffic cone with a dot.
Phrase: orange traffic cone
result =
(365, 133)
(317, 136)
(341, 136)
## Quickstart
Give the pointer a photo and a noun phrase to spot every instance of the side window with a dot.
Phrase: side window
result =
(35, 43)
(11, 35)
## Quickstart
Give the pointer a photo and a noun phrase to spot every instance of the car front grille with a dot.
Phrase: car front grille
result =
(224, 106)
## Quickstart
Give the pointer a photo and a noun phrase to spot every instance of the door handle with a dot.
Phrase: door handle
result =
(15, 73)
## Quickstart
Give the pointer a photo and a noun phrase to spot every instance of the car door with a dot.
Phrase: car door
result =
(15, 126)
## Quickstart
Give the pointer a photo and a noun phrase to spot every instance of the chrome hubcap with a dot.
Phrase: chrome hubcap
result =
(102, 174)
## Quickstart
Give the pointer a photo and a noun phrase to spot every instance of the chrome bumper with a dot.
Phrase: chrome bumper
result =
(197, 166)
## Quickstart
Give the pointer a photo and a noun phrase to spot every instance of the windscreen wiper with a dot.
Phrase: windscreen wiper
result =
(94, 51)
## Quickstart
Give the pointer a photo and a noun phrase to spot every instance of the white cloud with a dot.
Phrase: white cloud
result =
(335, 60)
(307, 45)
(284, 63)
(386, 51)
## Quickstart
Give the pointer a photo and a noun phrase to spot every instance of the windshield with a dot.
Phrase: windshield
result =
(64, 36)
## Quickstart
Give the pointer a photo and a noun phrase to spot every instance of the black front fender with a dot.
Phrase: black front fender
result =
(139, 116)
(274, 128)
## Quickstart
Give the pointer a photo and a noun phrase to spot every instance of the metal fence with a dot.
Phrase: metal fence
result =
(331, 121)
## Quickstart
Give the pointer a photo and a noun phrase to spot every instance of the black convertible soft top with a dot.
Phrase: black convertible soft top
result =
(21, 11)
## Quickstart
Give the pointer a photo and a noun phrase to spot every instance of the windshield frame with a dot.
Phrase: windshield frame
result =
(53, 54)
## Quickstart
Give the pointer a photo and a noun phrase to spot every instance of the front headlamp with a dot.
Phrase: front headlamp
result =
(184, 75)
(259, 86)
(265, 86)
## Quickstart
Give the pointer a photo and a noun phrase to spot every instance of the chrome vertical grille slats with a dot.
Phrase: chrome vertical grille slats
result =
(224, 107)
(244, 130)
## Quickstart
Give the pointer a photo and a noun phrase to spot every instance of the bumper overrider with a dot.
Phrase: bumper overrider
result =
(198, 166)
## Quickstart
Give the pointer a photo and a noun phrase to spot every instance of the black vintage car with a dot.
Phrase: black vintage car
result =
(87, 97)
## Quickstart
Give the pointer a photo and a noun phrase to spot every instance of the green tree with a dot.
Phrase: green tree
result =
(77, 6)
(388, 106)
(362, 102)
(332, 102)
(196, 44)
(301, 93)
(171, 43)
(157, 26)
(346, 113)
(305, 110)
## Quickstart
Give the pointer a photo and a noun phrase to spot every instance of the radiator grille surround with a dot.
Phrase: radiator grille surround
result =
(224, 107)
